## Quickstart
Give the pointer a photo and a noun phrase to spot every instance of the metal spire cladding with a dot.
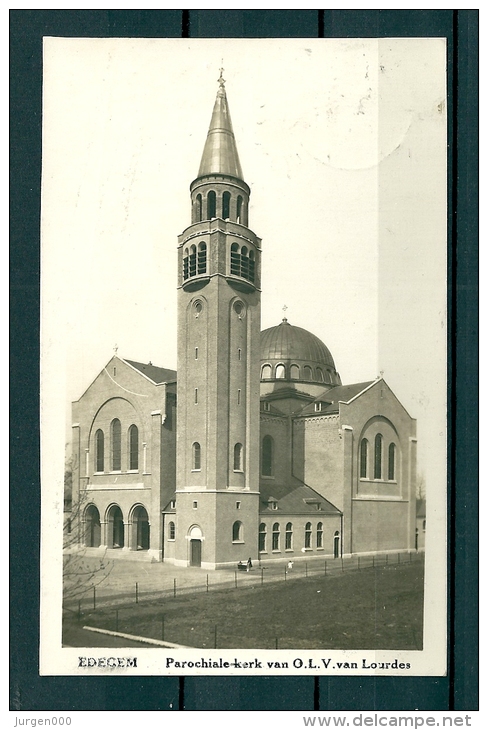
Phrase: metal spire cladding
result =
(220, 152)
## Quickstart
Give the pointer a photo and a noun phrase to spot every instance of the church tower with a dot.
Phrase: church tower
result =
(219, 271)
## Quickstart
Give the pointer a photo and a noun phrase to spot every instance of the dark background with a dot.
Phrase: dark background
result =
(459, 690)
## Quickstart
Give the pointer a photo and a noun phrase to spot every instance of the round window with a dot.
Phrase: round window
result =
(239, 308)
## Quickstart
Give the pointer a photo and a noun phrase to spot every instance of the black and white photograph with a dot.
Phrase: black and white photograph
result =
(243, 357)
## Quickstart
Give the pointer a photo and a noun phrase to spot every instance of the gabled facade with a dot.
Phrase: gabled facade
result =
(123, 445)
(258, 451)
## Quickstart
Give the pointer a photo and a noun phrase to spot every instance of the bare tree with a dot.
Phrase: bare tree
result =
(420, 494)
(81, 571)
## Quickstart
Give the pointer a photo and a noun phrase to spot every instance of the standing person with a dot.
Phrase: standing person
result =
(249, 564)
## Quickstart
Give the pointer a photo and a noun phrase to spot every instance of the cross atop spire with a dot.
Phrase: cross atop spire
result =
(221, 77)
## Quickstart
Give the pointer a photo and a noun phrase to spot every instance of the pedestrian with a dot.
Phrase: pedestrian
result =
(249, 564)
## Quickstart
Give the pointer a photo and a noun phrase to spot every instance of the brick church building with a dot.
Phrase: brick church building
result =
(254, 448)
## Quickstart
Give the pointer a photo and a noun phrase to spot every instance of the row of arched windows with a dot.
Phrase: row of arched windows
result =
(197, 457)
(276, 536)
(242, 262)
(115, 456)
(378, 467)
(280, 371)
(195, 260)
(117, 532)
(207, 209)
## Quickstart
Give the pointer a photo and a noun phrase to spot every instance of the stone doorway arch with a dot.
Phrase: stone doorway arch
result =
(195, 539)
(140, 533)
(92, 527)
(115, 527)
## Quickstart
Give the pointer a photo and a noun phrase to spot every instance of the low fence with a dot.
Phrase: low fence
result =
(112, 607)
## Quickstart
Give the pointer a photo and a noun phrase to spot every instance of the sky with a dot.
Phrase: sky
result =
(343, 144)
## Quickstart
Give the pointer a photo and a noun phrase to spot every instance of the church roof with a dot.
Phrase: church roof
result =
(343, 393)
(294, 500)
(290, 344)
(157, 375)
(220, 152)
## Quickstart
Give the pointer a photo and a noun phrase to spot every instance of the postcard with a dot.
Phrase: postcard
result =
(243, 373)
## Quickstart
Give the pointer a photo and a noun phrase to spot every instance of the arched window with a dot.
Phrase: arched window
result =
(320, 375)
(133, 448)
(294, 372)
(202, 257)
(245, 262)
(242, 262)
(288, 536)
(235, 260)
(226, 205)
(280, 372)
(99, 451)
(378, 455)
(267, 456)
(262, 538)
(238, 457)
(186, 264)
(196, 457)
(252, 265)
(308, 535)
(307, 372)
(275, 540)
(237, 532)
(266, 372)
(199, 208)
(320, 534)
(116, 444)
(337, 544)
(239, 208)
(328, 377)
(363, 459)
(211, 205)
(391, 461)
(171, 531)
(192, 261)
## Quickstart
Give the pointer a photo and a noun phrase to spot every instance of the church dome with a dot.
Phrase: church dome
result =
(293, 354)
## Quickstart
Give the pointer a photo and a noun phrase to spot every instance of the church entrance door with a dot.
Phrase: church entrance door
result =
(336, 545)
(196, 553)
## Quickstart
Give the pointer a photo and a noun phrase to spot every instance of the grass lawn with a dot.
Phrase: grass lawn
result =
(376, 608)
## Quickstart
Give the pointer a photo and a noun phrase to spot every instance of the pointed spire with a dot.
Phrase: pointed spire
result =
(220, 152)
